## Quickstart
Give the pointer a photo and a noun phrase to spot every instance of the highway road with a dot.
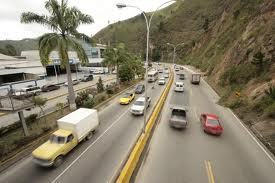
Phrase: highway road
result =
(51, 104)
(191, 156)
(92, 161)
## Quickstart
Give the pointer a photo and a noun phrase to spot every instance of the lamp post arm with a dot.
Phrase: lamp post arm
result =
(157, 10)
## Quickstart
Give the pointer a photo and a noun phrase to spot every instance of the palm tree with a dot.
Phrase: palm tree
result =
(114, 57)
(63, 21)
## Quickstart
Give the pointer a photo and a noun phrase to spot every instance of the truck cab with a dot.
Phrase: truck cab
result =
(50, 153)
(73, 128)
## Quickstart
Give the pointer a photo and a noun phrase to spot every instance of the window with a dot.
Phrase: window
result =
(213, 122)
(57, 139)
(139, 103)
(70, 138)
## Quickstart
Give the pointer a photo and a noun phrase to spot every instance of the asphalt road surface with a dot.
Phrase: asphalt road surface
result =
(191, 156)
(10, 118)
(92, 161)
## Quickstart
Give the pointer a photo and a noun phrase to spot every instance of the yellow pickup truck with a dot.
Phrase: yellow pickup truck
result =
(73, 128)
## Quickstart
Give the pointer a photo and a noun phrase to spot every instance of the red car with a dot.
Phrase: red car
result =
(211, 124)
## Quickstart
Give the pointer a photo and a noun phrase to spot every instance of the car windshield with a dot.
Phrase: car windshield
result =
(126, 95)
(57, 139)
(178, 112)
(213, 122)
(140, 103)
(139, 87)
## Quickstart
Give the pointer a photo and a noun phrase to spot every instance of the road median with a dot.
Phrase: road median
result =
(135, 154)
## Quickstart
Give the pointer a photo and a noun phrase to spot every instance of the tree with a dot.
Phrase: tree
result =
(126, 73)
(115, 57)
(99, 85)
(40, 102)
(63, 21)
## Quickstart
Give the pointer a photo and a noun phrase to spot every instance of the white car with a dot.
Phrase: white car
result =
(166, 75)
(75, 82)
(138, 106)
(161, 81)
(179, 86)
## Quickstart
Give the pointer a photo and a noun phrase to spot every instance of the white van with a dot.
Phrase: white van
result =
(179, 86)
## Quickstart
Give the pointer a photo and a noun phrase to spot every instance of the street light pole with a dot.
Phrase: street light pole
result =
(148, 24)
(175, 49)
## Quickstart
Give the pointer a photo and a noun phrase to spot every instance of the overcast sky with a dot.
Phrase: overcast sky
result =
(102, 11)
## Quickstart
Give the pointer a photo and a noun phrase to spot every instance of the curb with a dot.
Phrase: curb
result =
(25, 151)
(135, 154)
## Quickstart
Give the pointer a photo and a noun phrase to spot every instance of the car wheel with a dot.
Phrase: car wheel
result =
(89, 136)
(58, 161)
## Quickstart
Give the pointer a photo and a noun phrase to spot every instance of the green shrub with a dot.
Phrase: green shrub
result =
(236, 103)
(99, 85)
(24, 140)
(262, 104)
(110, 89)
(2, 148)
(31, 118)
(270, 111)
(89, 103)
(46, 129)
(100, 98)
(238, 74)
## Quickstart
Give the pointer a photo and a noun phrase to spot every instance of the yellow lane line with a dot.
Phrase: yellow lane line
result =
(209, 172)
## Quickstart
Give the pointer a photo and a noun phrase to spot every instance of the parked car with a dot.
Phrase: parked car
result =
(195, 79)
(139, 89)
(181, 76)
(75, 82)
(139, 106)
(178, 117)
(179, 87)
(87, 78)
(49, 87)
(161, 81)
(166, 75)
(160, 70)
(177, 68)
(211, 124)
(72, 129)
(127, 98)
(28, 91)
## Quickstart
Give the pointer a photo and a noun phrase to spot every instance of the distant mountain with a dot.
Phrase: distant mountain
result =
(20, 45)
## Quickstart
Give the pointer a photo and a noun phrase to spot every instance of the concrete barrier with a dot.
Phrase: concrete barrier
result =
(131, 163)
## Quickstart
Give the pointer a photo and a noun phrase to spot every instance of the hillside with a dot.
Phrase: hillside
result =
(231, 41)
(19, 45)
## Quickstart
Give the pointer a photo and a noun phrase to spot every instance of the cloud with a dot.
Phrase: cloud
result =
(103, 11)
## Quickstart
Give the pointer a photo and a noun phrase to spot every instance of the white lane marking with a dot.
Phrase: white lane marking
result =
(90, 146)
(253, 137)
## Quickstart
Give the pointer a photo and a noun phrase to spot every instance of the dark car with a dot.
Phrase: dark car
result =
(50, 87)
(88, 78)
(181, 76)
(140, 89)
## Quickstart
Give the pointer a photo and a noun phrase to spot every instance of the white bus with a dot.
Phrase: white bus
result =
(152, 76)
